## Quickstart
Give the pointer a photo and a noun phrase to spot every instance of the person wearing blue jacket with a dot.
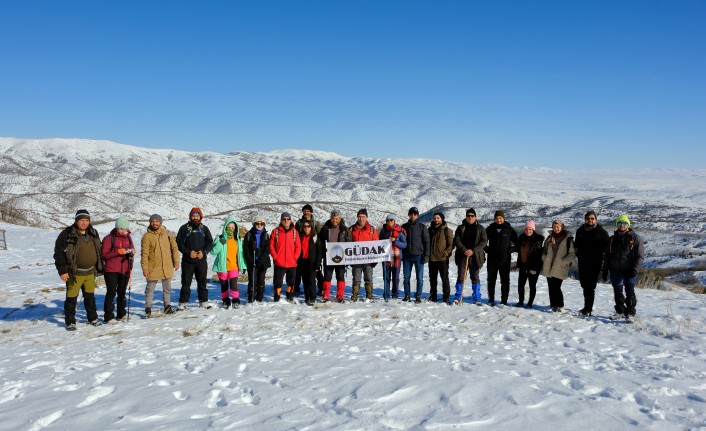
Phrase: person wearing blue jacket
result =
(229, 262)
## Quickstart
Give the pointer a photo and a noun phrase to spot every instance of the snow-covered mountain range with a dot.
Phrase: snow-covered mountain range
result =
(45, 181)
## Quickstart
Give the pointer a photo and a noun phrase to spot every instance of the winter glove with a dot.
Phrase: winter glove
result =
(123, 251)
(223, 240)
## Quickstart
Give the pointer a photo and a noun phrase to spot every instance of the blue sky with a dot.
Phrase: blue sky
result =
(518, 83)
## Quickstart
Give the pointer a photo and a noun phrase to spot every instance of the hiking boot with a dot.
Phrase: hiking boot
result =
(432, 298)
(341, 301)
(71, 327)
(235, 303)
(585, 313)
(529, 305)
(418, 300)
(310, 303)
(491, 303)
(95, 323)
(148, 312)
(168, 309)
(205, 304)
(519, 305)
(182, 306)
(616, 316)
(406, 298)
(226, 303)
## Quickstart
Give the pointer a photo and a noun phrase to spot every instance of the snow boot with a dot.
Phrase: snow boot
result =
(277, 293)
(226, 303)
(630, 303)
(340, 290)
(369, 291)
(476, 292)
(168, 309)
(406, 298)
(326, 290)
(148, 312)
(71, 327)
(354, 292)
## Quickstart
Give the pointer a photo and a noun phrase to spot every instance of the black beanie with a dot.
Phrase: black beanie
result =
(440, 215)
(307, 207)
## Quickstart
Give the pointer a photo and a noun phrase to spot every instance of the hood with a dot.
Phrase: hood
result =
(236, 234)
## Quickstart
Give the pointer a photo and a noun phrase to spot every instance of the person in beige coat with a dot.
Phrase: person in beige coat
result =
(160, 258)
(557, 256)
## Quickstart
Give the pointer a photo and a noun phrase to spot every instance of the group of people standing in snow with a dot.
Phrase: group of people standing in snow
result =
(298, 251)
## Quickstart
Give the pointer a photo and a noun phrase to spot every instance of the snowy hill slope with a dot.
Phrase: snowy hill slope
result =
(45, 181)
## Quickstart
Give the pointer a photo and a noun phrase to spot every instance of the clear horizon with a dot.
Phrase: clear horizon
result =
(536, 84)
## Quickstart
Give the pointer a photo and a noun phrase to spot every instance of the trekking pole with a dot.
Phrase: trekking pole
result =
(465, 273)
(129, 291)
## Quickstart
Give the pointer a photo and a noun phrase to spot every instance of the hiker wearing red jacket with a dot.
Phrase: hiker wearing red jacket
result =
(285, 248)
(363, 231)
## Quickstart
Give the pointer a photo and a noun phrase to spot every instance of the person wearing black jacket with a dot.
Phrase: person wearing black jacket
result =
(257, 258)
(502, 242)
(77, 257)
(590, 243)
(334, 230)
(529, 262)
(623, 257)
(416, 254)
(195, 242)
(308, 262)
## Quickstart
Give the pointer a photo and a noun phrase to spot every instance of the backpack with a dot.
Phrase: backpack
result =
(189, 231)
(277, 235)
(132, 246)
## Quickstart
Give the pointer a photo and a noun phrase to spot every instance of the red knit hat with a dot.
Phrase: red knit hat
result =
(196, 210)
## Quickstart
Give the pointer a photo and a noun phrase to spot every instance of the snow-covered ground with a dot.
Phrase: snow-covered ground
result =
(279, 366)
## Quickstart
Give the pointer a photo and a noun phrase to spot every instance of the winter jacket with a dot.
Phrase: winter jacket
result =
(590, 246)
(417, 240)
(365, 233)
(501, 244)
(534, 255)
(66, 250)
(193, 237)
(159, 254)
(312, 261)
(285, 246)
(558, 266)
(221, 250)
(252, 253)
(314, 223)
(478, 246)
(395, 232)
(624, 254)
(343, 236)
(441, 242)
(114, 261)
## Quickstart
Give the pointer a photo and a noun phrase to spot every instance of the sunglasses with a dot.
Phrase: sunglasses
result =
(622, 223)
(285, 218)
(306, 226)
(259, 224)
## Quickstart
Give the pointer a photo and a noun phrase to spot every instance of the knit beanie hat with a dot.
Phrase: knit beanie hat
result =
(390, 217)
(623, 217)
(81, 214)
(531, 224)
(122, 223)
(196, 210)
(499, 213)
(470, 211)
(559, 222)
(307, 207)
(156, 217)
(285, 215)
(363, 211)
(440, 214)
(413, 210)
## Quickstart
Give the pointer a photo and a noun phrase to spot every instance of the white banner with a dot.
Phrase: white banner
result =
(357, 253)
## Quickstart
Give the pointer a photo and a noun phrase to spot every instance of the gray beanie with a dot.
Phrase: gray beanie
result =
(156, 217)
